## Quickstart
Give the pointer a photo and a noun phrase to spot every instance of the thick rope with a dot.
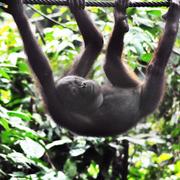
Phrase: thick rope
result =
(165, 3)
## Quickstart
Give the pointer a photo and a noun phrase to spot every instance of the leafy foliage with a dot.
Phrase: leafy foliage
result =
(33, 147)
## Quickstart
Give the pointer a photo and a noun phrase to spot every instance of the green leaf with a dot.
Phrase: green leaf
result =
(4, 74)
(5, 95)
(93, 170)
(5, 149)
(146, 57)
(18, 132)
(20, 115)
(154, 13)
(2, 173)
(77, 152)
(79, 148)
(177, 167)
(32, 148)
(70, 168)
(19, 158)
(53, 175)
(64, 140)
(164, 157)
(23, 67)
(5, 123)
(3, 113)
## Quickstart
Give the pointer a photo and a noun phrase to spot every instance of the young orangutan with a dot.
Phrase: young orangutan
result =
(83, 106)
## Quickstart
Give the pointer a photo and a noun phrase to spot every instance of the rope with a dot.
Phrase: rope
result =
(165, 3)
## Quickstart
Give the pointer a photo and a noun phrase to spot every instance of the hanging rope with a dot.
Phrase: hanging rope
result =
(165, 3)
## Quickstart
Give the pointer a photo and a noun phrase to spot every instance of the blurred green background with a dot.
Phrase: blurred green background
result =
(33, 147)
